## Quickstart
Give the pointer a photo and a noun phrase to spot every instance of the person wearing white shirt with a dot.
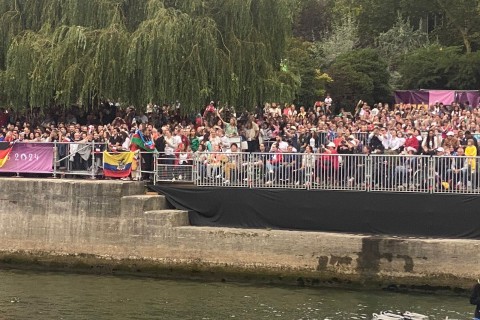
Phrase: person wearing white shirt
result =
(282, 145)
(171, 144)
(215, 139)
(328, 101)
(177, 136)
(224, 140)
(397, 142)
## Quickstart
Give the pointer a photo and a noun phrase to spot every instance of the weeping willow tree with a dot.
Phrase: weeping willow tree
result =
(61, 52)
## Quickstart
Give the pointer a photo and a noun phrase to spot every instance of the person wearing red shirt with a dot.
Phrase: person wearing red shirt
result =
(411, 141)
(328, 164)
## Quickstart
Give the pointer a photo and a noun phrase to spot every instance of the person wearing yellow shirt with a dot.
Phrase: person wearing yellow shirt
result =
(471, 153)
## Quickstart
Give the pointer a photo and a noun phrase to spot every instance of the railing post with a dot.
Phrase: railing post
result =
(155, 167)
(431, 174)
(250, 168)
(368, 172)
(140, 164)
(55, 154)
(93, 160)
(194, 169)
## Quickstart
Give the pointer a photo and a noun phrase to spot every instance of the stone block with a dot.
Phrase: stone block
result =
(167, 218)
(135, 206)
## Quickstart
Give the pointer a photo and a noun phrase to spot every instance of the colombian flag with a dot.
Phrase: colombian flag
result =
(117, 165)
(5, 149)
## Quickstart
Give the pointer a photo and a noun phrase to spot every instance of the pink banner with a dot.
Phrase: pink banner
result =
(444, 96)
(30, 157)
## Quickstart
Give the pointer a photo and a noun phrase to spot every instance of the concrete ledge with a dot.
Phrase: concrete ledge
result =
(138, 204)
(167, 218)
(80, 224)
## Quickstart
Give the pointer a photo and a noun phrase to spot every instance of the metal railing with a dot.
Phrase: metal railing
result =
(359, 172)
(79, 159)
(174, 167)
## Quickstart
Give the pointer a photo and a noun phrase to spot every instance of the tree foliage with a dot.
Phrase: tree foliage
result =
(340, 40)
(397, 42)
(436, 67)
(360, 74)
(301, 63)
(140, 51)
(61, 52)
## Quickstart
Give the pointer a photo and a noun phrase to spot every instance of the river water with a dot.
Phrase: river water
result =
(31, 295)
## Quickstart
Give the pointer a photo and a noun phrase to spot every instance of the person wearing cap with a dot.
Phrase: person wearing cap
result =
(405, 166)
(328, 164)
(450, 141)
(442, 164)
(292, 137)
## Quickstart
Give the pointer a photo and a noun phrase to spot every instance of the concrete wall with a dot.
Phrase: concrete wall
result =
(113, 226)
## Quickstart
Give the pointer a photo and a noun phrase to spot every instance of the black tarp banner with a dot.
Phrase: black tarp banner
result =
(406, 214)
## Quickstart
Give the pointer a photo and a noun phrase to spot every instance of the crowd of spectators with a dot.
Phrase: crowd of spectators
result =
(280, 129)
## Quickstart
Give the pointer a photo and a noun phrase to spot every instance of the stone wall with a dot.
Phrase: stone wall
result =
(114, 227)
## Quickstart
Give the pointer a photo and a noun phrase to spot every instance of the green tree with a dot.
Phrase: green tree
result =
(430, 68)
(310, 82)
(436, 67)
(360, 74)
(313, 20)
(373, 16)
(395, 43)
(138, 51)
(340, 40)
(462, 21)
(467, 75)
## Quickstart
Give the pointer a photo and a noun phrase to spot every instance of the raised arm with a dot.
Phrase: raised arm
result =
(219, 116)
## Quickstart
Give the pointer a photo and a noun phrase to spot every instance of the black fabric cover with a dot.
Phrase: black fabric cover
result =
(407, 214)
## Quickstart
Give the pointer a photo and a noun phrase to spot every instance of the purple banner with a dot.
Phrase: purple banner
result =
(411, 96)
(471, 96)
(30, 157)
(431, 96)
(444, 96)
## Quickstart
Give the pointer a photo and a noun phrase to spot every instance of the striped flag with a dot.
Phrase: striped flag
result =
(5, 149)
(117, 165)
(139, 143)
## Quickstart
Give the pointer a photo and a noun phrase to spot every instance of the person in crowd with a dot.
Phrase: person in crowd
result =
(214, 163)
(232, 165)
(193, 140)
(471, 153)
(289, 165)
(274, 160)
(450, 141)
(475, 300)
(231, 129)
(170, 147)
(382, 129)
(328, 164)
(459, 170)
(252, 132)
(307, 168)
(376, 141)
(430, 144)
